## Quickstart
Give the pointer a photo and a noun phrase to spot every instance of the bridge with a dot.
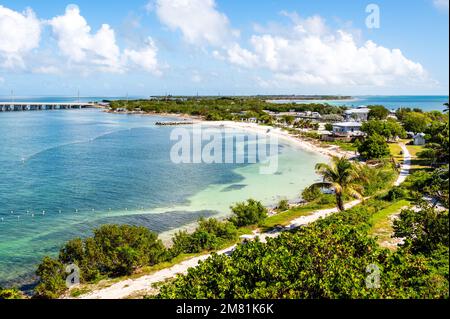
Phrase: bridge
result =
(35, 106)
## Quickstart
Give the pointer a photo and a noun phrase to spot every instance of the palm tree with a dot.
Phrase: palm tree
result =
(343, 177)
(446, 107)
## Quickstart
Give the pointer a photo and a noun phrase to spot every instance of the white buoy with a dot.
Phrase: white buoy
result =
(60, 211)
(2, 219)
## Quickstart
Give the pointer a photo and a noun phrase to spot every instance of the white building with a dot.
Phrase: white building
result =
(419, 139)
(360, 114)
(347, 129)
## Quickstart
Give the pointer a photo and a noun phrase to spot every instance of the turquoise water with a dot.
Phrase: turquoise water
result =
(63, 173)
(426, 103)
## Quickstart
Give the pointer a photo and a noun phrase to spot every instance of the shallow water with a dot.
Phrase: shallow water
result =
(63, 173)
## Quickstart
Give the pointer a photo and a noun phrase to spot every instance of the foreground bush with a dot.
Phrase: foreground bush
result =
(249, 213)
(210, 234)
(113, 251)
(328, 259)
(11, 293)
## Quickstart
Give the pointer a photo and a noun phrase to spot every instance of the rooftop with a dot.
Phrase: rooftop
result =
(358, 111)
(348, 124)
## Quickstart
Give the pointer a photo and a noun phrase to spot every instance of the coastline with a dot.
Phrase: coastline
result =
(279, 133)
(254, 128)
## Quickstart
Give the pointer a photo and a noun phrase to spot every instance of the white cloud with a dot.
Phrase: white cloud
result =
(46, 70)
(76, 41)
(196, 77)
(198, 20)
(240, 56)
(441, 4)
(19, 34)
(145, 58)
(310, 54)
(84, 48)
(2, 80)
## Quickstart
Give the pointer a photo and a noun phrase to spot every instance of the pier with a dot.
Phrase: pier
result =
(173, 123)
(35, 106)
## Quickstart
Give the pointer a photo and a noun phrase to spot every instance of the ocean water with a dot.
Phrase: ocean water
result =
(426, 103)
(62, 173)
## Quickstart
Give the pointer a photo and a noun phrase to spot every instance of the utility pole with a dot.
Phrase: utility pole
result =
(12, 96)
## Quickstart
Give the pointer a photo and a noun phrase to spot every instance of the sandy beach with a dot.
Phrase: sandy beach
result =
(281, 134)
(255, 128)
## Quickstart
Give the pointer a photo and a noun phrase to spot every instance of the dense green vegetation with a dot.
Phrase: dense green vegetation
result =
(327, 259)
(12, 293)
(210, 234)
(373, 147)
(248, 213)
(225, 108)
(113, 251)
(378, 112)
(389, 129)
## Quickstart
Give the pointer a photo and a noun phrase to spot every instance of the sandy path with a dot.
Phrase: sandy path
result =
(404, 172)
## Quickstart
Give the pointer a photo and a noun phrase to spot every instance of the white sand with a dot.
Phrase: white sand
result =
(404, 172)
(279, 133)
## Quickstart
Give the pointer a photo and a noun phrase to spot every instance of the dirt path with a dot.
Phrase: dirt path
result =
(404, 172)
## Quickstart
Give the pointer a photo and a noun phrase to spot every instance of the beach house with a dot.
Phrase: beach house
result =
(347, 129)
(360, 114)
(419, 139)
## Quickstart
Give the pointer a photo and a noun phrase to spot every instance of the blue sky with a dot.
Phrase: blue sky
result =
(140, 47)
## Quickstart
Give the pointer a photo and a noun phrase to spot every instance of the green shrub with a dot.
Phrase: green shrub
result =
(249, 213)
(374, 147)
(113, 251)
(209, 235)
(311, 193)
(329, 127)
(52, 276)
(396, 193)
(11, 293)
(283, 205)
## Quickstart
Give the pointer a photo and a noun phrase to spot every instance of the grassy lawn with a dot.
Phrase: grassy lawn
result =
(286, 217)
(382, 223)
(396, 151)
(345, 146)
(417, 163)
